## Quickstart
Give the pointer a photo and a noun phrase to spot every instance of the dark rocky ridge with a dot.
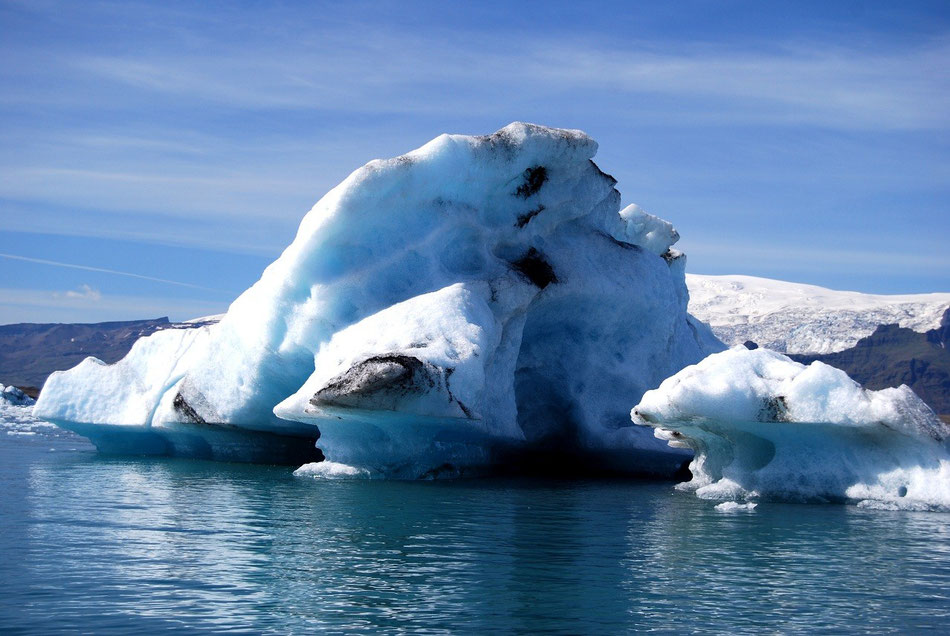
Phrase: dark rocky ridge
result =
(893, 355)
(889, 357)
(30, 352)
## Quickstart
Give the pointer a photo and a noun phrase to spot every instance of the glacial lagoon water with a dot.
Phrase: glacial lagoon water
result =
(119, 545)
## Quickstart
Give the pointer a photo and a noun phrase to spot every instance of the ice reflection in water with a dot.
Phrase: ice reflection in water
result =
(134, 544)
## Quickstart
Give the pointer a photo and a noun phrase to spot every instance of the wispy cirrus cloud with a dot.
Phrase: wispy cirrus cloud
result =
(792, 84)
(103, 270)
(182, 171)
(218, 126)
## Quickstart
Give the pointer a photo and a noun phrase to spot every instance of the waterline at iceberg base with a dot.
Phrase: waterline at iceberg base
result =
(477, 300)
(484, 305)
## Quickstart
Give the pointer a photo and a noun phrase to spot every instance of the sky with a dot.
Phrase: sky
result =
(155, 157)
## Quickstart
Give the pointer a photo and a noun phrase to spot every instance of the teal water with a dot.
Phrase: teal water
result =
(104, 545)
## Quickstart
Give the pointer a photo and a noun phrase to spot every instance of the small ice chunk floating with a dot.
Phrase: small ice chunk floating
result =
(480, 300)
(765, 427)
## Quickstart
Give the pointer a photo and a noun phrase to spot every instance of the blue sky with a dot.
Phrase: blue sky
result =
(156, 156)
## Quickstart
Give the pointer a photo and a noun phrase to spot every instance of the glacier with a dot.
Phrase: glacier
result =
(479, 301)
(803, 319)
(765, 427)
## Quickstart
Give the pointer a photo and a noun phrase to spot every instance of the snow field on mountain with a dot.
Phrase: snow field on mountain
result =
(798, 318)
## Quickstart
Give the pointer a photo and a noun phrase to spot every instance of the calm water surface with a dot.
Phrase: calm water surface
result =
(126, 545)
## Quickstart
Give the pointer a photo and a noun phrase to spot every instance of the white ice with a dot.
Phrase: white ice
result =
(16, 413)
(332, 470)
(764, 426)
(732, 506)
(649, 232)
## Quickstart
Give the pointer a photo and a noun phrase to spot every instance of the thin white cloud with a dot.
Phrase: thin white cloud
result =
(134, 143)
(811, 83)
(240, 183)
(289, 58)
(815, 84)
(295, 94)
(251, 236)
(43, 261)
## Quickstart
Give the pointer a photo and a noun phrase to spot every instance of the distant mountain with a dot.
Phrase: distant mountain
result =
(803, 319)
(29, 352)
(893, 355)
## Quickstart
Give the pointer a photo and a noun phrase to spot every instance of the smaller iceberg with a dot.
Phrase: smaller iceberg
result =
(16, 413)
(765, 427)
(732, 506)
(14, 396)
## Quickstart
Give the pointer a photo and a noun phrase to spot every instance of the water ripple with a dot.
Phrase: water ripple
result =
(100, 545)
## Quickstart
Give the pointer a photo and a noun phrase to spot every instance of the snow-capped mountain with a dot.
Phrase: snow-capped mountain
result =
(798, 318)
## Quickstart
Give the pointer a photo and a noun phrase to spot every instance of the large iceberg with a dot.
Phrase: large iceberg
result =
(478, 300)
(765, 427)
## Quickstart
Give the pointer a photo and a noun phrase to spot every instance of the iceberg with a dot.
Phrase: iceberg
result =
(13, 396)
(16, 413)
(765, 427)
(480, 300)
(732, 506)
